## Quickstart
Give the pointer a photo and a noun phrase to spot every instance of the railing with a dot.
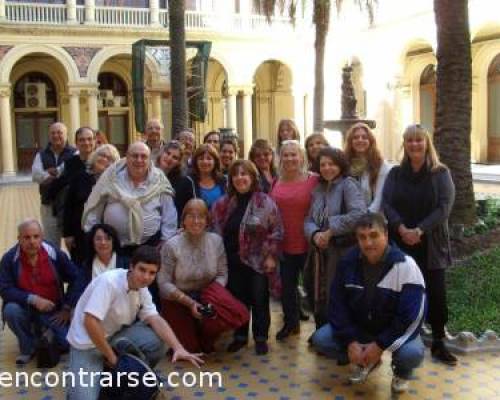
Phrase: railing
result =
(80, 14)
(33, 13)
(121, 16)
(36, 13)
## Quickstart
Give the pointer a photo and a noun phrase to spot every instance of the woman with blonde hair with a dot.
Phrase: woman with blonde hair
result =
(287, 130)
(368, 166)
(314, 143)
(418, 198)
(78, 192)
(292, 193)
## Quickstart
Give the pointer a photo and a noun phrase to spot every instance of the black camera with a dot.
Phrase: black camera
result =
(206, 310)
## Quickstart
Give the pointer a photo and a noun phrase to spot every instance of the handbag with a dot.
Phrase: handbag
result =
(47, 351)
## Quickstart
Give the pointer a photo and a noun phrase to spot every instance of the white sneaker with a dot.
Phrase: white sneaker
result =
(360, 374)
(399, 385)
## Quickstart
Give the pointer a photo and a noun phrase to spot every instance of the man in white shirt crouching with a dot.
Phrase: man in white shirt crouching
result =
(117, 305)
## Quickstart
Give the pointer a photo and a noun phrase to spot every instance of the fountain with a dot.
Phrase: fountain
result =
(349, 116)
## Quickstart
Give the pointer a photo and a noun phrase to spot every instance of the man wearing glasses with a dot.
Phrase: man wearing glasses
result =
(136, 199)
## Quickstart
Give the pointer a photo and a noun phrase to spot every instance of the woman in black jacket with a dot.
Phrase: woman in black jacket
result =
(79, 191)
(418, 197)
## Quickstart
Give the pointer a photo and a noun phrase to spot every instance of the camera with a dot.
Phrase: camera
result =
(206, 310)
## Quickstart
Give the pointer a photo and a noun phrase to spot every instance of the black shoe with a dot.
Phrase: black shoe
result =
(441, 353)
(342, 358)
(236, 345)
(261, 348)
(287, 331)
(303, 316)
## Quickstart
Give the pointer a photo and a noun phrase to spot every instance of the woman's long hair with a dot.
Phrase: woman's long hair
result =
(373, 157)
(263, 145)
(291, 123)
(431, 155)
(199, 152)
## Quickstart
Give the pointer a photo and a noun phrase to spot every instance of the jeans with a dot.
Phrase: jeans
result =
(291, 265)
(252, 289)
(92, 361)
(409, 356)
(26, 322)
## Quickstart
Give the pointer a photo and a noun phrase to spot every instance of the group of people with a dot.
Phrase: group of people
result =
(175, 243)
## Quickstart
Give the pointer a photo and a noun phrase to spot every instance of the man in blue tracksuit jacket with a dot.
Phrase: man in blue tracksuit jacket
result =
(377, 303)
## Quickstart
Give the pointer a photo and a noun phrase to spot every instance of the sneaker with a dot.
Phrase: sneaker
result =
(23, 359)
(360, 374)
(399, 385)
(441, 353)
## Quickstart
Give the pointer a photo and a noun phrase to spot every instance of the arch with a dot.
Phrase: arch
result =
(481, 62)
(18, 52)
(107, 53)
(486, 29)
(225, 63)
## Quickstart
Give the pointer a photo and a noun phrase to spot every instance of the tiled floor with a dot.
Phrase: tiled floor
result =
(290, 371)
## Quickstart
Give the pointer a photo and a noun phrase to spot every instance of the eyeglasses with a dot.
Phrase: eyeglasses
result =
(138, 156)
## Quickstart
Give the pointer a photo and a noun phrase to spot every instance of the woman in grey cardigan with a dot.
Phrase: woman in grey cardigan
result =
(418, 197)
(337, 203)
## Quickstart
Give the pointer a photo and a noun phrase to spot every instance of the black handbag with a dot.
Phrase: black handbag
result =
(47, 352)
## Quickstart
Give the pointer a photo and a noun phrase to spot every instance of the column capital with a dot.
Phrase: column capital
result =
(247, 89)
(74, 91)
(5, 90)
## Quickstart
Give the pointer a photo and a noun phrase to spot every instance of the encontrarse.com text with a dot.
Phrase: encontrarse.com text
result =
(105, 379)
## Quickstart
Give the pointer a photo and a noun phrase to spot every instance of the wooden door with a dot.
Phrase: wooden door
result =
(31, 136)
(115, 125)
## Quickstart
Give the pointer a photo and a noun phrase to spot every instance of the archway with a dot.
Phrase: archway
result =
(39, 91)
(272, 99)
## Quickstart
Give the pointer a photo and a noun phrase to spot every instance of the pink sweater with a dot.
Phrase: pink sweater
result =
(293, 200)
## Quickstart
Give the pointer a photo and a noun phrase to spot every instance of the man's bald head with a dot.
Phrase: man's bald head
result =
(138, 160)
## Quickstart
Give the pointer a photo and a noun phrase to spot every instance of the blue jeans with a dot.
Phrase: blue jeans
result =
(92, 361)
(24, 321)
(409, 356)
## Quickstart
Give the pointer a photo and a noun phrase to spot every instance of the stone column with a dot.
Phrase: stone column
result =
(231, 121)
(2, 10)
(92, 104)
(74, 109)
(247, 120)
(89, 11)
(154, 13)
(298, 111)
(157, 106)
(6, 132)
(71, 12)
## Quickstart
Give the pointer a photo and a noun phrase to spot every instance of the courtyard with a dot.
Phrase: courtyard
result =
(290, 370)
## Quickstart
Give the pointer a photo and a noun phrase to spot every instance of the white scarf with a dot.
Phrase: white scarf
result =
(98, 267)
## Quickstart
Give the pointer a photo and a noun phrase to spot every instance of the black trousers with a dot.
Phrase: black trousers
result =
(252, 289)
(435, 289)
(290, 268)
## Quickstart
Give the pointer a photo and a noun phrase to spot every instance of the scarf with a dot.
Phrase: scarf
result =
(358, 166)
(109, 185)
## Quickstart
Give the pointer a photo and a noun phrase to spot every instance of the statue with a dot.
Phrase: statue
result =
(348, 97)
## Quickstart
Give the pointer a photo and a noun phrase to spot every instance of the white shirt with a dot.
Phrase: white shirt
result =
(159, 213)
(109, 299)
(38, 173)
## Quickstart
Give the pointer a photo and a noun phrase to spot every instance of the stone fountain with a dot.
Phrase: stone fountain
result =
(349, 116)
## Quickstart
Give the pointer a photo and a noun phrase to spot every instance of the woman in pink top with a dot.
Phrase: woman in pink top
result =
(292, 194)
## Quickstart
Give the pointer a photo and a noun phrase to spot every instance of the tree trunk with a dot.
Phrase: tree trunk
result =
(176, 11)
(321, 20)
(453, 102)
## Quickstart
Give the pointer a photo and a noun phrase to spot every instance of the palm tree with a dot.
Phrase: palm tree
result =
(453, 102)
(321, 19)
(176, 11)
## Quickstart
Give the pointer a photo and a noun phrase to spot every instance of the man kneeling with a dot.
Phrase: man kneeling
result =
(116, 309)
(377, 303)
